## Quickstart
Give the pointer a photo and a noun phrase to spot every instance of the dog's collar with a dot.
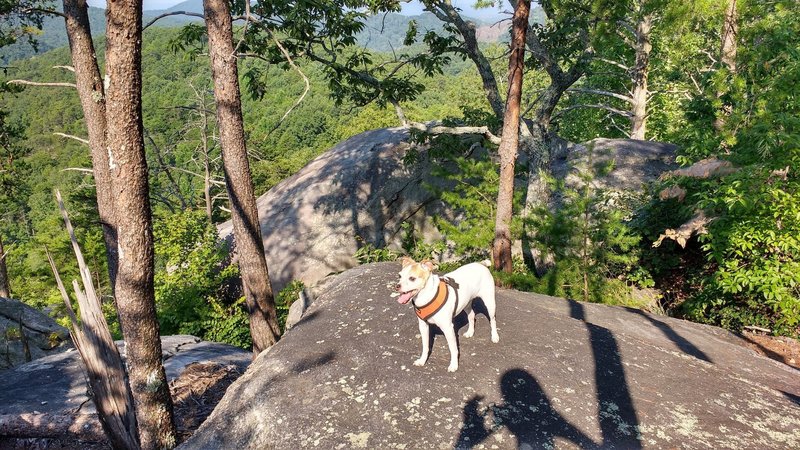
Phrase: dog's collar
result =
(427, 310)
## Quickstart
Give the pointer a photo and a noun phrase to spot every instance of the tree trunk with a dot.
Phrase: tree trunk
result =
(728, 48)
(246, 227)
(90, 90)
(134, 284)
(639, 75)
(5, 288)
(501, 252)
(446, 12)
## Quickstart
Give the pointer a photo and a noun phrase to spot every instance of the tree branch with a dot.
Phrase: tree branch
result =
(457, 131)
(597, 106)
(36, 83)
(173, 13)
(69, 136)
(624, 98)
(78, 169)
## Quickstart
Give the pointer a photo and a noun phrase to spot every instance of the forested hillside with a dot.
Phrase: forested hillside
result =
(180, 142)
(727, 251)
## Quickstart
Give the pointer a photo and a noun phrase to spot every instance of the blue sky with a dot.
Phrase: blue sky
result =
(411, 8)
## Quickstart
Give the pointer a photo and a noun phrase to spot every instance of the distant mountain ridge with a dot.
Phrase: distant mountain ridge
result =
(382, 32)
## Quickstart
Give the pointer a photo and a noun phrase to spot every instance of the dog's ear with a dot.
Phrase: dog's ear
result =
(406, 261)
(430, 265)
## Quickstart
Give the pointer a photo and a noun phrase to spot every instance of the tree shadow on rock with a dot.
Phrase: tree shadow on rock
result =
(682, 343)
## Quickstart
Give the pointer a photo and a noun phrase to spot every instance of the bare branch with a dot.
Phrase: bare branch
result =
(36, 83)
(77, 169)
(440, 129)
(297, 69)
(624, 98)
(44, 11)
(614, 63)
(214, 182)
(69, 136)
(70, 68)
(173, 13)
(596, 106)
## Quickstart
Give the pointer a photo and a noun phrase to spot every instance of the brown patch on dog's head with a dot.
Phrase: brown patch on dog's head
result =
(407, 261)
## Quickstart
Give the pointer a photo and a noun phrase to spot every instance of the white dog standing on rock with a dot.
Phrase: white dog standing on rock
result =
(437, 300)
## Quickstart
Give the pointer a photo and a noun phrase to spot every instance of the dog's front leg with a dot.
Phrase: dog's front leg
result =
(452, 343)
(425, 334)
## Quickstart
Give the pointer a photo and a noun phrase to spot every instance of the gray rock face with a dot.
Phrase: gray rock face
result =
(39, 333)
(564, 374)
(357, 192)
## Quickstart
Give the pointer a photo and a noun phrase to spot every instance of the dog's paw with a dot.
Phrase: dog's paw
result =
(419, 362)
(452, 367)
(469, 333)
(495, 338)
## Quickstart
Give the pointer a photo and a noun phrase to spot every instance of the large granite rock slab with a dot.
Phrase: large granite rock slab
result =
(27, 334)
(565, 374)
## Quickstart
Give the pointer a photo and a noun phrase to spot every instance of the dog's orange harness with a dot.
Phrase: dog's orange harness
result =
(427, 310)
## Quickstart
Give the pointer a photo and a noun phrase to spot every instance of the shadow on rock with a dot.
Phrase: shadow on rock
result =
(526, 412)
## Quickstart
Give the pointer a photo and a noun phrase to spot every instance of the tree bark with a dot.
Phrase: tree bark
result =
(134, 284)
(5, 288)
(639, 74)
(246, 226)
(509, 144)
(728, 49)
(89, 83)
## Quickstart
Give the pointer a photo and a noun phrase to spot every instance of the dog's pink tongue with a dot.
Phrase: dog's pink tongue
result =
(404, 298)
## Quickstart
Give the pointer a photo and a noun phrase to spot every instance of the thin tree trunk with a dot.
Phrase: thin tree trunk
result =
(134, 284)
(5, 288)
(446, 12)
(728, 48)
(639, 75)
(246, 227)
(501, 252)
(90, 90)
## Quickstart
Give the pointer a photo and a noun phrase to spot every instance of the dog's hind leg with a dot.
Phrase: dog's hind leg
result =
(470, 321)
(489, 301)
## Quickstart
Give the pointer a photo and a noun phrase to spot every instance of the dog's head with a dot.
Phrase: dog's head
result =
(412, 278)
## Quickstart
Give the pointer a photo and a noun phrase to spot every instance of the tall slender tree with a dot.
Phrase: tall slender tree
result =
(246, 226)
(134, 283)
(509, 143)
(89, 83)
(728, 49)
(5, 288)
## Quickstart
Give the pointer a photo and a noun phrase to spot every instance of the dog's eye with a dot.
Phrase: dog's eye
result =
(412, 279)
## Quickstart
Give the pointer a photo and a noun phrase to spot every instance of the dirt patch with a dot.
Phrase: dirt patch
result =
(779, 348)
(197, 391)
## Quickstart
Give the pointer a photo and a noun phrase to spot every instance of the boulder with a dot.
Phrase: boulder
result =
(565, 374)
(48, 398)
(361, 192)
(27, 334)
(358, 192)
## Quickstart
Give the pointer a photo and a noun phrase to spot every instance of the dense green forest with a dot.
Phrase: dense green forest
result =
(744, 269)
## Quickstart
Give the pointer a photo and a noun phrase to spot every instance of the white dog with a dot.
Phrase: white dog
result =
(437, 300)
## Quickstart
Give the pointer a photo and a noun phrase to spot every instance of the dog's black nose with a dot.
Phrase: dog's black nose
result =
(397, 287)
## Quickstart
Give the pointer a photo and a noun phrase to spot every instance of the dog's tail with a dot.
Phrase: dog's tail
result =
(487, 263)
